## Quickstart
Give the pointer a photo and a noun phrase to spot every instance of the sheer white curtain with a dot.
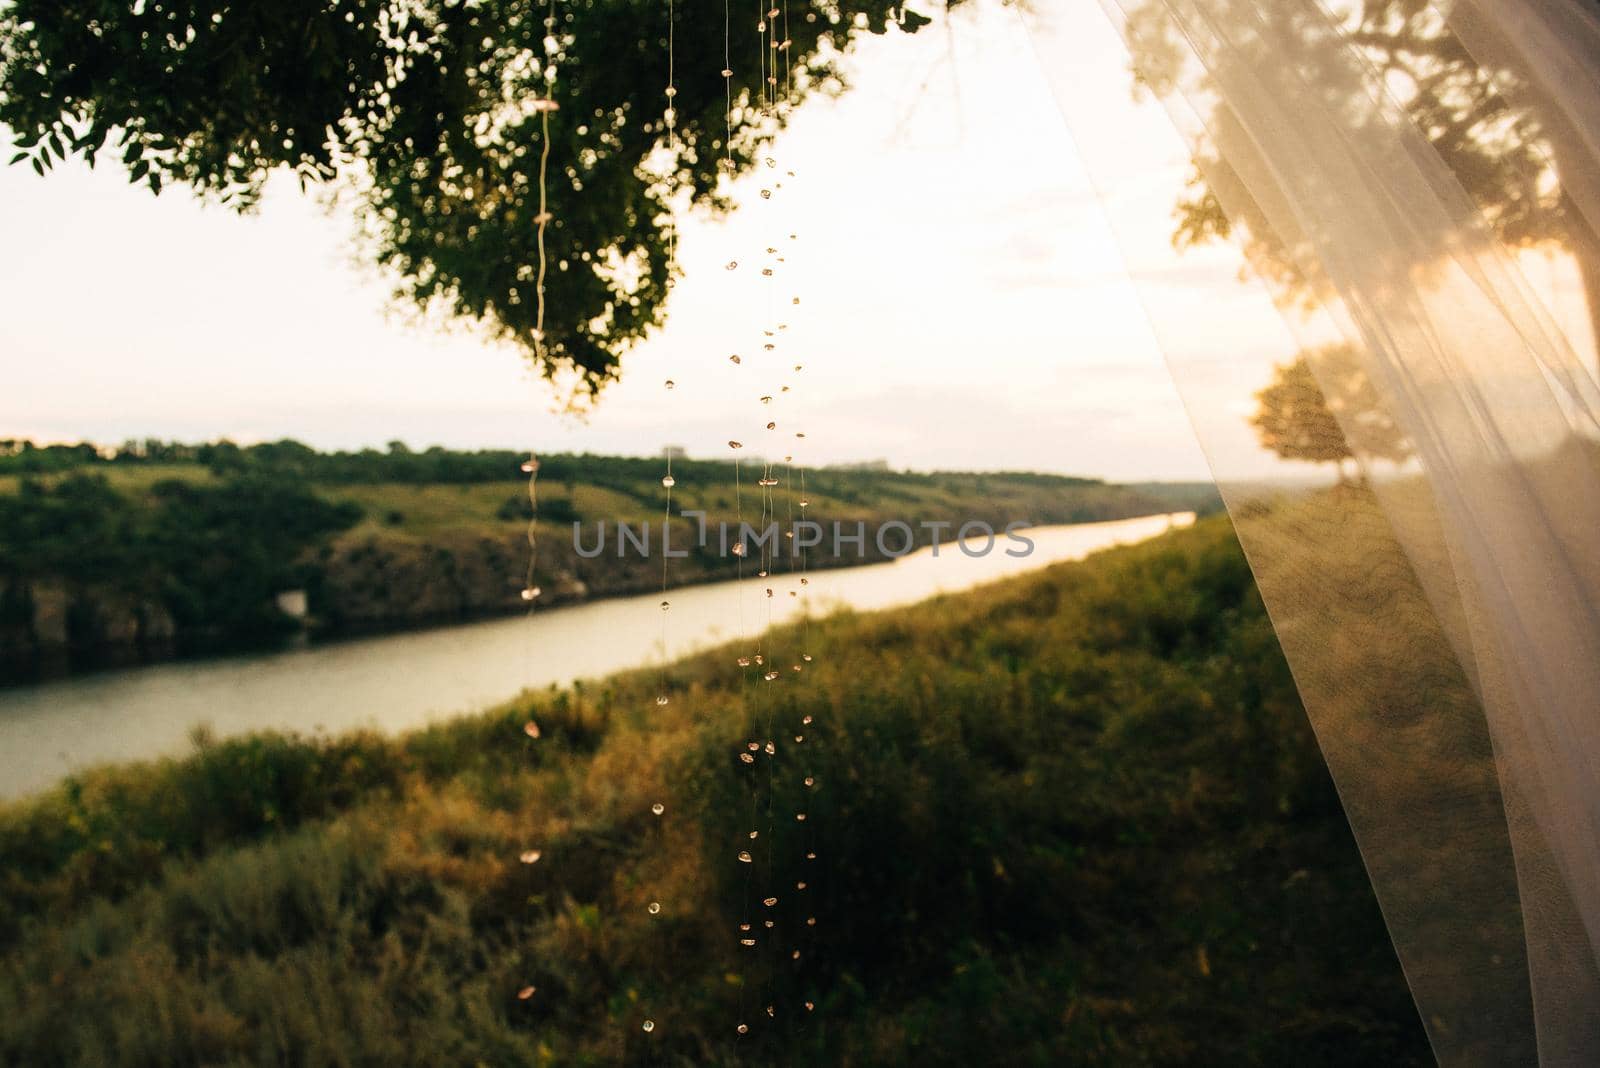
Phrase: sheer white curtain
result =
(1443, 616)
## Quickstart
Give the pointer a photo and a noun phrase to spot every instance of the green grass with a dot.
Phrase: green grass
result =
(1074, 818)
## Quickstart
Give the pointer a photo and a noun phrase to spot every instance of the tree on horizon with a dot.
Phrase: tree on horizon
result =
(1297, 419)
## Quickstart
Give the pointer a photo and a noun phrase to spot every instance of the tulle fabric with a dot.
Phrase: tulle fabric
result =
(1442, 614)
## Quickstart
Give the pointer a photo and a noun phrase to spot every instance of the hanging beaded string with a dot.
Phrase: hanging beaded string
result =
(727, 89)
(766, 28)
(544, 105)
(669, 118)
(769, 899)
(530, 467)
(770, 104)
(808, 780)
(746, 935)
(759, 788)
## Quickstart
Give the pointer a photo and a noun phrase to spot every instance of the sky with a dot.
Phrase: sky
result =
(965, 303)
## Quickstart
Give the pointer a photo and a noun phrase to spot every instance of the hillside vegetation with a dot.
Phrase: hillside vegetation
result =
(1073, 818)
(162, 548)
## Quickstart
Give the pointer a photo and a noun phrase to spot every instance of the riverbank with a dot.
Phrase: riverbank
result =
(49, 730)
(1077, 816)
(120, 562)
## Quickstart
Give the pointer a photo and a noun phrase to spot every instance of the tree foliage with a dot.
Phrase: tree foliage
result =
(1299, 420)
(211, 556)
(421, 108)
(1488, 124)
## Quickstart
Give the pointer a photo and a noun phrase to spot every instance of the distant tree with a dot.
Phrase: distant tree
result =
(425, 108)
(222, 551)
(74, 529)
(1299, 421)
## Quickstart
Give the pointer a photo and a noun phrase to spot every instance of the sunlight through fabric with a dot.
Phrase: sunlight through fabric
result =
(1438, 612)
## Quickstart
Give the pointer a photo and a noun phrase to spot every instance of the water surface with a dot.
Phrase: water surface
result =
(401, 681)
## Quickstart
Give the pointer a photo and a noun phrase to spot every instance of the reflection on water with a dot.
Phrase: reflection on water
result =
(403, 681)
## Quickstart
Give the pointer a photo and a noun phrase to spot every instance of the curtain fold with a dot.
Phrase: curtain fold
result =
(1442, 615)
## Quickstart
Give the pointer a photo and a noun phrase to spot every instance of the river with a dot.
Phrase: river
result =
(401, 681)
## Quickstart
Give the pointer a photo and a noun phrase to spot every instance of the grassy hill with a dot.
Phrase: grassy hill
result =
(1073, 818)
(166, 548)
